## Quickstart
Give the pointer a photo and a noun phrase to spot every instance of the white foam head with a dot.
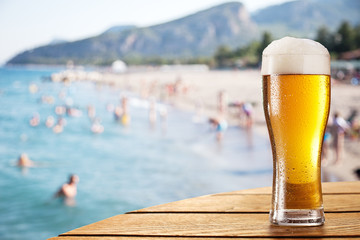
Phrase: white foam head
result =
(290, 55)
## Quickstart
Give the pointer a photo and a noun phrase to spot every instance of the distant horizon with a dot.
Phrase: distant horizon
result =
(23, 30)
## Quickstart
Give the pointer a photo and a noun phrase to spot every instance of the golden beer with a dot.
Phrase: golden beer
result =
(296, 105)
(296, 111)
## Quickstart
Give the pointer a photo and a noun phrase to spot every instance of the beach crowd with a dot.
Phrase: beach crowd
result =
(172, 93)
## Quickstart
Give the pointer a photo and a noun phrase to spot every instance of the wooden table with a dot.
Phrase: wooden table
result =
(239, 214)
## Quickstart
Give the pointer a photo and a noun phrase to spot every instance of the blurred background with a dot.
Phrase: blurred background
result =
(151, 103)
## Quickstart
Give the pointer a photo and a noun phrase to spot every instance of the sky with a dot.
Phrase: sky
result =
(28, 24)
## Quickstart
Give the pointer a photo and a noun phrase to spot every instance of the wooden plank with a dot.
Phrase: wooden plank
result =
(216, 225)
(344, 225)
(246, 204)
(341, 203)
(341, 187)
(161, 238)
(216, 204)
(327, 188)
(263, 190)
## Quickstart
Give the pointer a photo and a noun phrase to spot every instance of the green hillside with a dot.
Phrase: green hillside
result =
(197, 35)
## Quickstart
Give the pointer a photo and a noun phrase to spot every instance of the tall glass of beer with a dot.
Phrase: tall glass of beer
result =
(296, 100)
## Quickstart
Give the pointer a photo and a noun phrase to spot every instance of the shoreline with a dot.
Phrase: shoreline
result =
(197, 92)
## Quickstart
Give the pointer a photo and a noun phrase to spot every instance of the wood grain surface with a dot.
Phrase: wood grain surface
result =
(240, 214)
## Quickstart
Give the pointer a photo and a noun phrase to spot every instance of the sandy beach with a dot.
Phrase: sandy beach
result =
(197, 91)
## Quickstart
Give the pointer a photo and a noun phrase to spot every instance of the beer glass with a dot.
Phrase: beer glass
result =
(296, 101)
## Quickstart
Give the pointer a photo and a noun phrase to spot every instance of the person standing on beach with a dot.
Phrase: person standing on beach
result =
(340, 126)
(325, 147)
(248, 110)
(222, 102)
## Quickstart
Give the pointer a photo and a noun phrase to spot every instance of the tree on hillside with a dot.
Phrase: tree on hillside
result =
(325, 37)
(344, 38)
(265, 41)
(249, 55)
(357, 36)
(223, 56)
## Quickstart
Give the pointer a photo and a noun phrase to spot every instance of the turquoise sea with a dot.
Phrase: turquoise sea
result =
(122, 169)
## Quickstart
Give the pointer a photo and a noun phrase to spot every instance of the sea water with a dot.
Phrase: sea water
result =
(120, 170)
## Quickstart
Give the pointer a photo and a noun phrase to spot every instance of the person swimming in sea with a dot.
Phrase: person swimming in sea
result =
(35, 120)
(59, 127)
(152, 113)
(50, 121)
(97, 127)
(24, 161)
(91, 111)
(121, 114)
(68, 191)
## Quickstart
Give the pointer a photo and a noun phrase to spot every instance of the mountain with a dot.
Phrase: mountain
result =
(119, 28)
(198, 34)
(304, 17)
(57, 41)
(195, 35)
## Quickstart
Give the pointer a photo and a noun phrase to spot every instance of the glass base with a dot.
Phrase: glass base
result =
(298, 217)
